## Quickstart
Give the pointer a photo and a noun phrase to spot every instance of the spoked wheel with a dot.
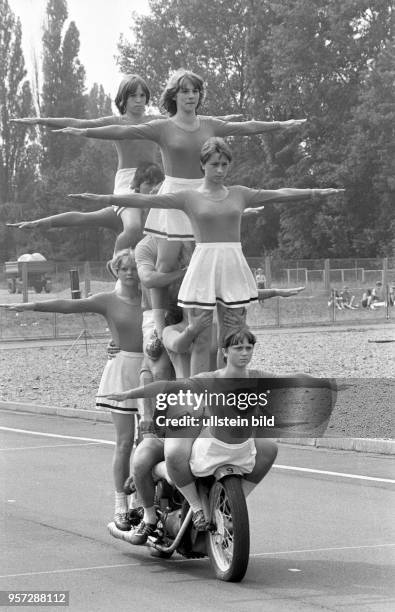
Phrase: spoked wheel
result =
(229, 542)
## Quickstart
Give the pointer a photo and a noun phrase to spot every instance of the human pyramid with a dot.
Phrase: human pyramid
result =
(161, 311)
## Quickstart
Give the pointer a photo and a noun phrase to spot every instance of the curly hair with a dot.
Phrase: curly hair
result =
(174, 84)
(120, 257)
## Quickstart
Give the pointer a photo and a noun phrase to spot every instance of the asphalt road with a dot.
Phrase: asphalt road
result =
(322, 530)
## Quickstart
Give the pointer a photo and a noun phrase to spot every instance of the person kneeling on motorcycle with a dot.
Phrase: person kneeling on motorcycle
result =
(238, 350)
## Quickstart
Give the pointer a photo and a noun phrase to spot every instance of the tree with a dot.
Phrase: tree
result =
(17, 162)
(63, 82)
(370, 168)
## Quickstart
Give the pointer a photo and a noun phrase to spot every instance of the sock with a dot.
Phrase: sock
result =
(121, 502)
(191, 495)
(247, 486)
(150, 515)
(135, 500)
(159, 320)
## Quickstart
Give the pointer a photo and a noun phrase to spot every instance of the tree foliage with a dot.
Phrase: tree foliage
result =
(281, 59)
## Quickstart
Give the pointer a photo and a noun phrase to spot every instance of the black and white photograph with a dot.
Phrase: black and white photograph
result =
(197, 277)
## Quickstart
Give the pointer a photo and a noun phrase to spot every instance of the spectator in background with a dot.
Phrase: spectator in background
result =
(377, 298)
(260, 283)
(348, 299)
(335, 299)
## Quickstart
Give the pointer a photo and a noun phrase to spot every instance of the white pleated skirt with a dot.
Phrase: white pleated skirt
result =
(217, 272)
(172, 224)
(122, 182)
(120, 374)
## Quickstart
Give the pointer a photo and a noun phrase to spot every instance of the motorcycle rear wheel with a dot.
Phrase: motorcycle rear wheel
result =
(229, 543)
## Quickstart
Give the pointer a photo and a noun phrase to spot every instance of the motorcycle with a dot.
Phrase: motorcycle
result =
(227, 540)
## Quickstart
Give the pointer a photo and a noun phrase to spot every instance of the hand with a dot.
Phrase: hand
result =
(17, 307)
(326, 192)
(71, 131)
(253, 211)
(30, 224)
(112, 350)
(201, 322)
(117, 397)
(230, 319)
(26, 120)
(291, 123)
(290, 292)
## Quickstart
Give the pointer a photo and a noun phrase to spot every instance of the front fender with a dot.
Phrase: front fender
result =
(227, 470)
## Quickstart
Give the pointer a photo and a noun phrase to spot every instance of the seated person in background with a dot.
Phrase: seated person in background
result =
(377, 297)
(348, 299)
(366, 298)
(335, 299)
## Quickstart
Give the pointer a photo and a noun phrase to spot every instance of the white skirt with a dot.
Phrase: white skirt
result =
(172, 224)
(122, 184)
(209, 453)
(217, 272)
(120, 374)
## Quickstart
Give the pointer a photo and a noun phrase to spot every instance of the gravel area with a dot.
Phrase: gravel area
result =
(361, 360)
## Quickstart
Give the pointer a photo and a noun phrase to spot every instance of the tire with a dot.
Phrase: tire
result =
(38, 287)
(228, 544)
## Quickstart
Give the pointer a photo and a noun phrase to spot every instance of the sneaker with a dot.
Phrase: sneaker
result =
(135, 516)
(199, 521)
(142, 533)
(122, 522)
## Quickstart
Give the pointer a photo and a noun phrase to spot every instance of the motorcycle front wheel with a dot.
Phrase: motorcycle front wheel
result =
(228, 542)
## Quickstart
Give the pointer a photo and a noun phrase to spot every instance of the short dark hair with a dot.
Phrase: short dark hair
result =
(238, 336)
(147, 172)
(174, 84)
(214, 145)
(127, 87)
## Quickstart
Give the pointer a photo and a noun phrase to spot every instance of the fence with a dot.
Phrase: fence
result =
(320, 278)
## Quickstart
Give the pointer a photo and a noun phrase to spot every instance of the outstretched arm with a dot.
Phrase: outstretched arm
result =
(144, 131)
(133, 200)
(248, 128)
(91, 304)
(257, 197)
(64, 122)
(265, 294)
(67, 219)
(156, 388)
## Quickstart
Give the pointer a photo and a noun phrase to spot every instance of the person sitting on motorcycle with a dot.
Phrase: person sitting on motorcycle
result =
(238, 350)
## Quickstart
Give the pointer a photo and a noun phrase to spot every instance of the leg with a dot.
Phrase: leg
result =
(266, 452)
(200, 354)
(132, 230)
(239, 316)
(147, 454)
(125, 429)
(167, 261)
(177, 455)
